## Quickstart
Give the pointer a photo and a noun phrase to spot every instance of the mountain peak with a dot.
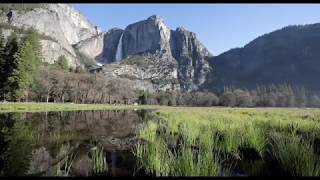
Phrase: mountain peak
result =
(155, 17)
(181, 28)
(185, 31)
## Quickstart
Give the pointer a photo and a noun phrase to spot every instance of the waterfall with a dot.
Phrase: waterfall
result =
(119, 49)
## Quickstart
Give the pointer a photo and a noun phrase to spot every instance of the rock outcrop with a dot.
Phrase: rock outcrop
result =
(148, 74)
(151, 36)
(179, 52)
(92, 47)
(175, 57)
(192, 58)
(64, 25)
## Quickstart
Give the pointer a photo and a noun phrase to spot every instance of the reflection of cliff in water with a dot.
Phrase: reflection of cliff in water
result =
(120, 123)
(39, 143)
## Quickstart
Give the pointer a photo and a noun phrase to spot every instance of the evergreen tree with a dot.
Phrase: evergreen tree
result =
(62, 63)
(20, 78)
(11, 49)
(34, 40)
(172, 98)
(143, 97)
(2, 66)
(28, 58)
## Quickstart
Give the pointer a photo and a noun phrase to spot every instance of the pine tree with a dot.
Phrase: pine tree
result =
(11, 49)
(143, 98)
(2, 66)
(28, 58)
(34, 40)
(62, 63)
(20, 79)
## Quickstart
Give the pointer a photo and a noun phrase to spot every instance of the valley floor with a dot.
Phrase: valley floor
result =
(43, 107)
(213, 141)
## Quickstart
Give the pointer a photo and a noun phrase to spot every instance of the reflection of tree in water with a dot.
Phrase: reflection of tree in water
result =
(144, 114)
(18, 150)
(9, 16)
(6, 122)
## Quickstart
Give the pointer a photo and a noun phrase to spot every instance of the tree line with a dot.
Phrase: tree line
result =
(24, 77)
(280, 95)
(274, 95)
(57, 85)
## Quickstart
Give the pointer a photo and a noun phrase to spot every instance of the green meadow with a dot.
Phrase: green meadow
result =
(45, 107)
(222, 141)
(200, 141)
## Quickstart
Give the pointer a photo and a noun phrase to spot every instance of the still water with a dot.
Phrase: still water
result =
(92, 143)
(62, 143)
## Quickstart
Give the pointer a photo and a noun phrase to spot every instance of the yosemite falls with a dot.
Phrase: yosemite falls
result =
(119, 49)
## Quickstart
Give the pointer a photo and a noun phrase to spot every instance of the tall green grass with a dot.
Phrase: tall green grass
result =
(64, 168)
(195, 141)
(99, 160)
(295, 155)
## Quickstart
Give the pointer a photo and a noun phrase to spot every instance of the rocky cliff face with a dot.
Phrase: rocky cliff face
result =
(64, 25)
(148, 36)
(192, 58)
(179, 51)
(151, 35)
(111, 41)
(175, 57)
(92, 47)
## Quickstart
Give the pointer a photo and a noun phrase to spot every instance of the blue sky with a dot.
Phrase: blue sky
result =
(219, 27)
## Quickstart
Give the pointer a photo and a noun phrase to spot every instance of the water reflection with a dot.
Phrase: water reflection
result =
(48, 143)
(98, 143)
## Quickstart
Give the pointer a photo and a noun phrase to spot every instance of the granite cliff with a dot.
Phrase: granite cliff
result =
(60, 24)
(172, 59)
(178, 51)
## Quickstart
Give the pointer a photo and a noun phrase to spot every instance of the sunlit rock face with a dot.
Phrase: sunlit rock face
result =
(175, 57)
(151, 35)
(92, 47)
(179, 52)
(192, 58)
(64, 25)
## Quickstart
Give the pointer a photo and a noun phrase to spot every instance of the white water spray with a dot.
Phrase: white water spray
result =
(119, 49)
